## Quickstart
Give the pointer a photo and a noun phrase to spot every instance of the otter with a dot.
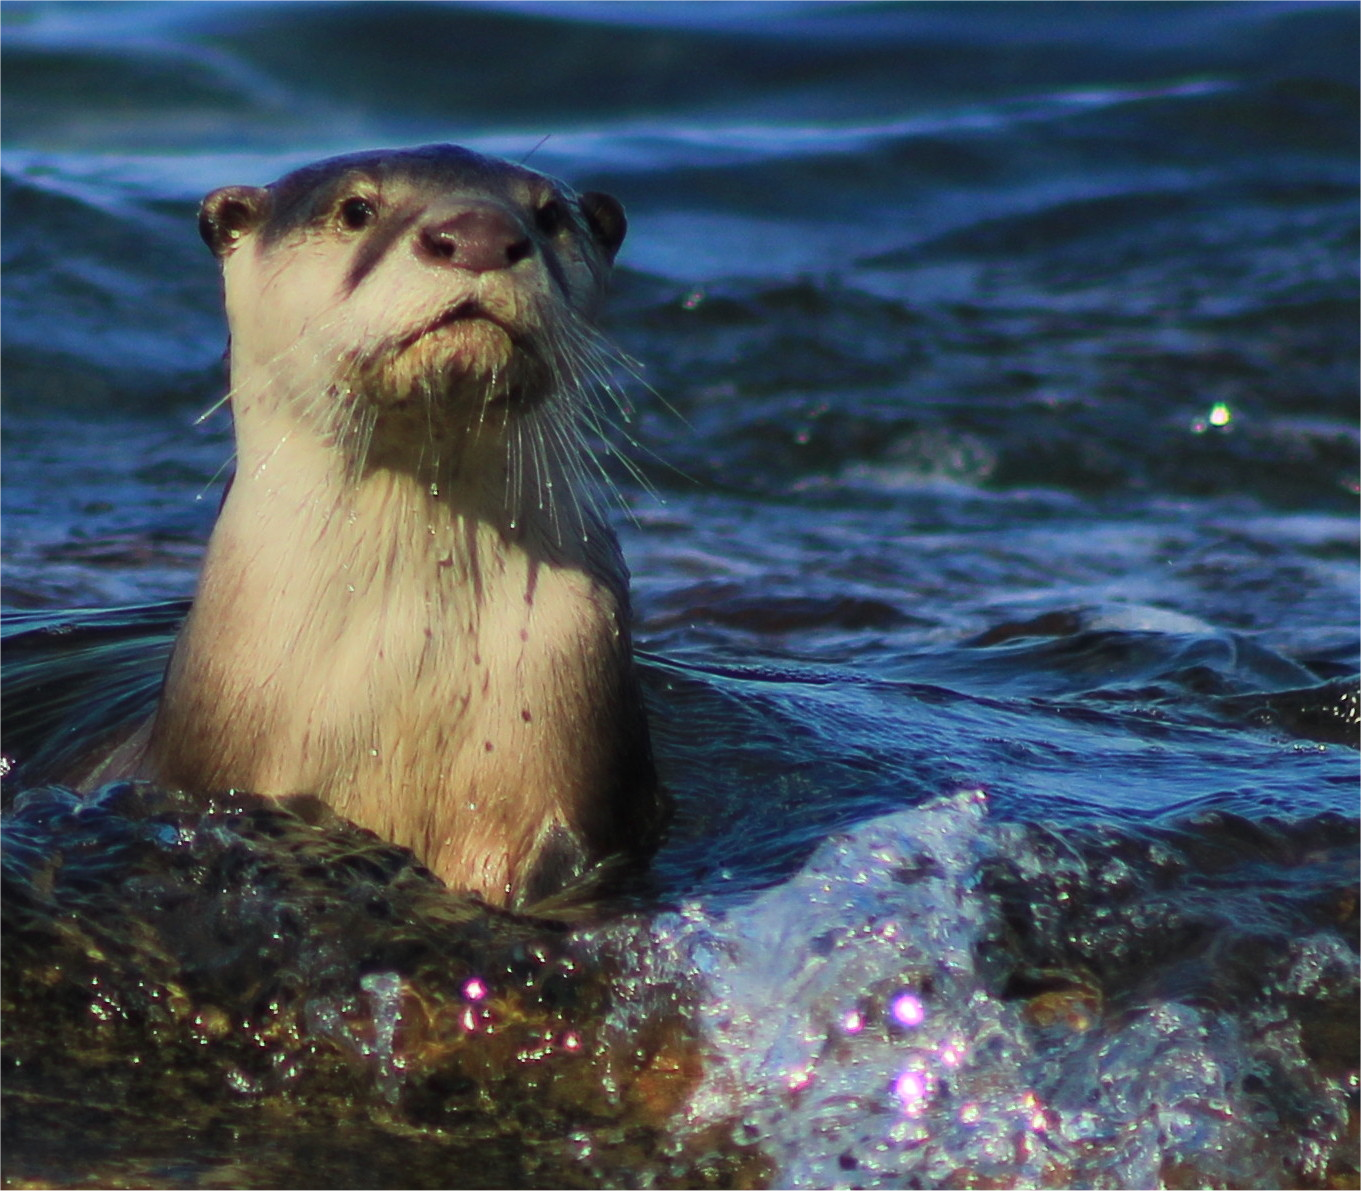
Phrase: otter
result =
(411, 605)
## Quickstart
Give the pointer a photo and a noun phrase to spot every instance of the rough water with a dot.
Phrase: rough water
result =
(995, 576)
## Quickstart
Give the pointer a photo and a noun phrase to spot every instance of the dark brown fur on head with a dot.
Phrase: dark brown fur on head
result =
(299, 197)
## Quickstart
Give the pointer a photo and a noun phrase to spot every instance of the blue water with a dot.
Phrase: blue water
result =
(990, 505)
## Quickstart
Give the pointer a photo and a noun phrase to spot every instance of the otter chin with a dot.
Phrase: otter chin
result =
(411, 605)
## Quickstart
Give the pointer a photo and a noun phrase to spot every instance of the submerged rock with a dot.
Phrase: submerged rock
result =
(236, 993)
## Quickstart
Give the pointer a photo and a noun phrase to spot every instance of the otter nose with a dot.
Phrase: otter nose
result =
(479, 239)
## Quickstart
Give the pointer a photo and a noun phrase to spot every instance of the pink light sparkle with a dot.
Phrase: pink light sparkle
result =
(907, 1009)
(912, 1088)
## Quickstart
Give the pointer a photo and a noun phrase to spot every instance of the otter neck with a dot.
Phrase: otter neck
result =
(419, 652)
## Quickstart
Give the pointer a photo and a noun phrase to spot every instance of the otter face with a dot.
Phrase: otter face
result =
(413, 294)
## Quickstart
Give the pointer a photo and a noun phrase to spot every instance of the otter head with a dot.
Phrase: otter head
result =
(396, 302)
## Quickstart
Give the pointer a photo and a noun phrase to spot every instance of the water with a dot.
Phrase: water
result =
(995, 574)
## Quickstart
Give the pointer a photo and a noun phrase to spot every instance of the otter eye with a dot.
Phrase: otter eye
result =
(356, 213)
(550, 217)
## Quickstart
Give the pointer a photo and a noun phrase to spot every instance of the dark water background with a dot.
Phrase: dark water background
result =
(998, 579)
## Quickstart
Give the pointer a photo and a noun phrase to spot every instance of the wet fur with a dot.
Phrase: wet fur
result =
(411, 605)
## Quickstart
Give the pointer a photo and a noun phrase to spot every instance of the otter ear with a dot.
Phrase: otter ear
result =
(230, 213)
(606, 216)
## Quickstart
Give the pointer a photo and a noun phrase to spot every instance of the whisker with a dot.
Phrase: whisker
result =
(212, 409)
(222, 469)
